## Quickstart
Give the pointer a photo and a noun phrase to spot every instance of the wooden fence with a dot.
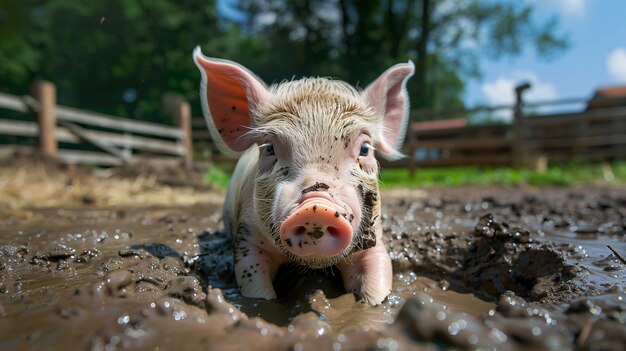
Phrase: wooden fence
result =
(592, 135)
(531, 139)
(204, 148)
(117, 140)
(489, 145)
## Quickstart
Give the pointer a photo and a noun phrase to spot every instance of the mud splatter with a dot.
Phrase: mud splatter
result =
(366, 236)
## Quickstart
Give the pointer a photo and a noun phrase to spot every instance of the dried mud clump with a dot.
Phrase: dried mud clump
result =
(588, 324)
(492, 259)
(504, 259)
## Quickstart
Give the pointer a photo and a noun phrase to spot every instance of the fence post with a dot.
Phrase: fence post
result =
(45, 93)
(518, 125)
(183, 118)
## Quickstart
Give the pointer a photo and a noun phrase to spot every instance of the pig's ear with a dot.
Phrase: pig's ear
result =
(388, 96)
(228, 92)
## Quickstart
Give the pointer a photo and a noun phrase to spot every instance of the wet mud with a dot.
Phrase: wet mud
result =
(474, 268)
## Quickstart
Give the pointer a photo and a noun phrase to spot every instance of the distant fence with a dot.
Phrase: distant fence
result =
(531, 139)
(461, 146)
(205, 149)
(593, 135)
(117, 140)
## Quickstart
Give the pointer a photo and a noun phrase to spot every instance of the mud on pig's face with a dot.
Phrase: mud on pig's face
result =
(316, 187)
(317, 180)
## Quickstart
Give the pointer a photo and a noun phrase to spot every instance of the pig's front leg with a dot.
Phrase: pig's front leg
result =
(255, 270)
(368, 274)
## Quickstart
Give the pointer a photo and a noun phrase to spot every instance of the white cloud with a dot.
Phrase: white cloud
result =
(616, 64)
(572, 8)
(501, 91)
(265, 19)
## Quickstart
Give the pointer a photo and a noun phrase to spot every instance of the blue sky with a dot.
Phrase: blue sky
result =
(596, 57)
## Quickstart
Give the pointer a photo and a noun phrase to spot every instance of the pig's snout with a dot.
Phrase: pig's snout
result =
(317, 228)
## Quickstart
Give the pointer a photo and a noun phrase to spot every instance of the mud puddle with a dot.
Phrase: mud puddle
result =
(474, 268)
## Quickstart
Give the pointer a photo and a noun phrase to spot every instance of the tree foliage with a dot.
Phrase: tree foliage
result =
(113, 56)
(357, 39)
(119, 56)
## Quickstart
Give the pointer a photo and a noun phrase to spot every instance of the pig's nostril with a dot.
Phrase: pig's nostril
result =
(332, 231)
(300, 230)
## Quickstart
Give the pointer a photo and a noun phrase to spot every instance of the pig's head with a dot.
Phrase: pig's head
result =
(316, 186)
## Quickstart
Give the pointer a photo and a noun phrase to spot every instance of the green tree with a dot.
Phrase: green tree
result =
(460, 32)
(302, 38)
(356, 40)
(113, 56)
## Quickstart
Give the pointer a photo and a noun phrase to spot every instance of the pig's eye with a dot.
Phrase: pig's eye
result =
(269, 149)
(365, 149)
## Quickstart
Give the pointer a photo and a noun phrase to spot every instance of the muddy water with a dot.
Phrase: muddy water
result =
(474, 268)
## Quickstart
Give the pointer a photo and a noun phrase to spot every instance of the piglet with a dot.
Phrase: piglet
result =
(305, 188)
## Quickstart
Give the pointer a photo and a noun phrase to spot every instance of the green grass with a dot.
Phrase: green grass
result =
(570, 174)
(560, 175)
(217, 176)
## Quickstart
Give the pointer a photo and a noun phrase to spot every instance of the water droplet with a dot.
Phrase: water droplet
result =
(461, 323)
(179, 315)
(387, 344)
(498, 335)
(453, 328)
(123, 320)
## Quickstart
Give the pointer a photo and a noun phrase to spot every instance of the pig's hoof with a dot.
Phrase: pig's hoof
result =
(374, 298)
(372, 292)
(258, 292)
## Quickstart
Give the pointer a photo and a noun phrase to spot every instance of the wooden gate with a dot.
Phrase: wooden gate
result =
(60, 129)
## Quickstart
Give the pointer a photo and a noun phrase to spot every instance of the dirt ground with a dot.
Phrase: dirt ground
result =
(136, 260)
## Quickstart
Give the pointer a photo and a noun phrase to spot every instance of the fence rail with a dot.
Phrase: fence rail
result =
(117, 140)
(592, 134)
